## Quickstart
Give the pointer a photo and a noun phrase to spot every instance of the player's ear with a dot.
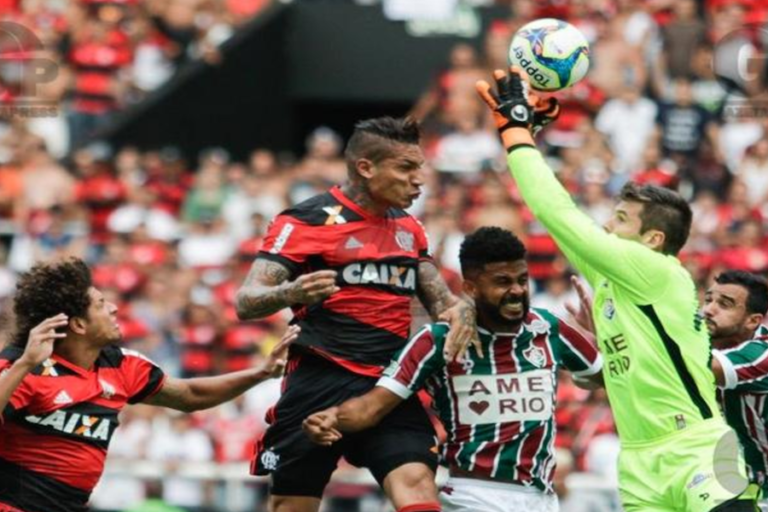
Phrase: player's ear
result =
(470, 288)
(365, 168)
(77, 325)
(753, 321)
(655, 239)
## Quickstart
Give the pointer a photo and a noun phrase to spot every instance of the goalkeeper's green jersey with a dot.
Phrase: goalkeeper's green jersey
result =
(655, 347)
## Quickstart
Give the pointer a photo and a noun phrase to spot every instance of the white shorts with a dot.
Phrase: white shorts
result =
(472, 495)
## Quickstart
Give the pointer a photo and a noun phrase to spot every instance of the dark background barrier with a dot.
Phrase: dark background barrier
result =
(309, 64)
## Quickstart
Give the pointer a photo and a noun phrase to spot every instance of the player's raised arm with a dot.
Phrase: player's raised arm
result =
(39, 348)
(190, 395)
(589, 247)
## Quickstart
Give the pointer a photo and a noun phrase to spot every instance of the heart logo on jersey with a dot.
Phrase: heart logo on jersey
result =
(479, 407)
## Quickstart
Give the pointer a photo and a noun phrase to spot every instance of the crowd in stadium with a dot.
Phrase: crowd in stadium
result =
(171, 238)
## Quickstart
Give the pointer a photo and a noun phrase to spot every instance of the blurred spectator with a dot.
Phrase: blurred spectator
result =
(176, 446)
(681, 36)
(98, 188)
(753, 172)
(616, 63)
(206, 198)
(627, 139)
(683, 125)
(97, 55)
(199, 340)
(555, 294)
(143, 210)
(207, 244)
(468, 149)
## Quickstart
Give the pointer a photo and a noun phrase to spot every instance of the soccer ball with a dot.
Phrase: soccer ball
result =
(553, 53)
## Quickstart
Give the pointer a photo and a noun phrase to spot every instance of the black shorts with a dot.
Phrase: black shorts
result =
(301, 468)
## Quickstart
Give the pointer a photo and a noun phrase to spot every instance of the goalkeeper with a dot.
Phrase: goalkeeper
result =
(677, 454)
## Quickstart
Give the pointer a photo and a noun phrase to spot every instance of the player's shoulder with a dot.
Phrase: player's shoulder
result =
(540, 318)
(110, 356)
(439, 330)
(114, 356)
(321, 210)
(9, 355)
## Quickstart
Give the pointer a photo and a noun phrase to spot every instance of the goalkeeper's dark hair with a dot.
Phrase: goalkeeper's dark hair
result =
(664, 210)
(489, 244)
(756, 286)
(47, 290)
(373, 138)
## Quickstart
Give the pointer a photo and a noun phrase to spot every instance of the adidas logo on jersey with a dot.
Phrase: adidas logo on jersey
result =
(353, 243)
(62, 398)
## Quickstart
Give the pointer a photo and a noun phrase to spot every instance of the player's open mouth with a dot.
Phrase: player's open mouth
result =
(514, 308)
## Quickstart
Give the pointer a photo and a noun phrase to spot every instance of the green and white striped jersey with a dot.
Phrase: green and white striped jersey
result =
(743, 399)
(498, 410)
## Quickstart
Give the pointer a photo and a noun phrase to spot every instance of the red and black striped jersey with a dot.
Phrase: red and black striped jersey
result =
(376, 257)
(58, 423)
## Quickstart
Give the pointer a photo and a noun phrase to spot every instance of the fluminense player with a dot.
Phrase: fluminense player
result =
(497, 410)
(734, 309)
(678, 453)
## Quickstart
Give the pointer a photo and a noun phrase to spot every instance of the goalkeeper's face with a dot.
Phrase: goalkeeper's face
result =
(500, 292)
(626, 223)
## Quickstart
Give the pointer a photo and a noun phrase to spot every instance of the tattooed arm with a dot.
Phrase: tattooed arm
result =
(266, 289)
(441, 304)
(432, 290)
(189, 395)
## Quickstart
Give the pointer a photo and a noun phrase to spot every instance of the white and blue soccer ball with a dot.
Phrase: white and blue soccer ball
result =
(554, 54)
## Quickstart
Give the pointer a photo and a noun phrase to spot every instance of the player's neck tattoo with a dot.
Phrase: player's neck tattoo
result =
(361, 196)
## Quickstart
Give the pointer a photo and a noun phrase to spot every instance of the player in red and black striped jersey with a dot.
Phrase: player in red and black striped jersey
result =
(498, 411)
(348, 263)
(63, 381)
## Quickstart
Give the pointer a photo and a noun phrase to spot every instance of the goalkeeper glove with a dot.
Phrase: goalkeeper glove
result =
(518, 114)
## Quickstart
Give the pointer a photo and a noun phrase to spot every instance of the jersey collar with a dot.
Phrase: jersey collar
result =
(82, 372)
(348, 203)
(524, 327)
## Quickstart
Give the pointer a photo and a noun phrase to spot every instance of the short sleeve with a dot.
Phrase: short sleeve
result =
(289, 242)
(422, 242)
(21, 396)
(745, 366)
(421, 358)
(141, 376)
(577, 353)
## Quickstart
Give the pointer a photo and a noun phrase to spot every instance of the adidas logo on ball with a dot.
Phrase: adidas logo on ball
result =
(531, 68)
